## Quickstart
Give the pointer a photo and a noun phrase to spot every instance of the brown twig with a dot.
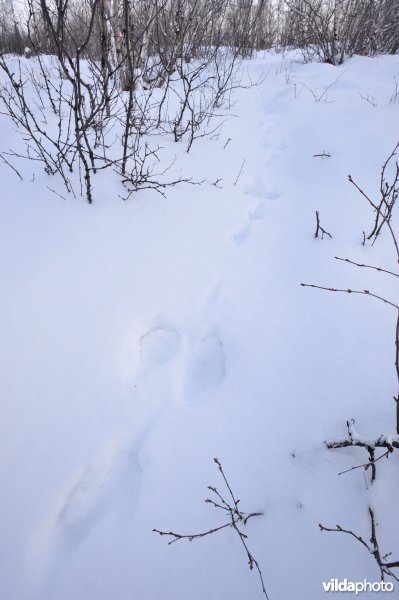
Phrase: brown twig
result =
(240, 172)
(381, 442)
(236, 517)
(235, 502)
(340, 529)
(354, 439)
(320, 228)
(190, 536)
(350, 291)
(396, 306)
(322, 155)
(367, 465)
(11, 166)
(379, 269)
(56, 193)
(373, 549)
(389, 194)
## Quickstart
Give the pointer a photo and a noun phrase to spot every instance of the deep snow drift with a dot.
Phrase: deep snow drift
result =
(141, 339)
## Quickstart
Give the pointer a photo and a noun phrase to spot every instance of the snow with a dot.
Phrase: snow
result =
(141, 339)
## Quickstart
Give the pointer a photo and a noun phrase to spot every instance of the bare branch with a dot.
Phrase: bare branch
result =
(373, 549)
(349, 291)
(236, 517)
(240, 172)
(379, 269)
(320, 228)
(322, 155)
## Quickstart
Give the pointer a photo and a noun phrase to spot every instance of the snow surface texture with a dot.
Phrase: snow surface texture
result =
(139, 340)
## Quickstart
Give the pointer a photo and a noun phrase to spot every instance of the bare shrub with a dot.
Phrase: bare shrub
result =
(236, 520)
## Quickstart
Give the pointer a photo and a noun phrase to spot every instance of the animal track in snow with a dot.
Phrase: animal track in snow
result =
(115, 472)
(272, 191)
(158, 346)
(92, 494)
(260, 189)
(273, 140)
(203, 368)
(197, 360)
(240, 233)
(257, 212)
(194, 368)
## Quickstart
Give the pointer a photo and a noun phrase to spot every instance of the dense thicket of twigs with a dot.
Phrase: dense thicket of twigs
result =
(331, 29)
(99, 78)
(117, 71)
(336, 29)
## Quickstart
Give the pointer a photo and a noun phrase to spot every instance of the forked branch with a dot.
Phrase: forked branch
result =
(319, 228)
(236, 519)
(372, 547)
(384, 206)
(389, 442)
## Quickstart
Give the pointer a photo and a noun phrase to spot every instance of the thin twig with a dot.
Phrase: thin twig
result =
(240, 172)
(374, 549)
(216, 460)
(339, 529)
(191, 536)
(56, 193)
(322, 155)
(350, 291)
(236, 517)
(320, 228)
(354, 439)
(11, 166)
(379, 269)
(368, 464)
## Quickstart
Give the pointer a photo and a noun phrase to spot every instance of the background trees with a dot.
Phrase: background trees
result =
(130, 31)
(118, 70)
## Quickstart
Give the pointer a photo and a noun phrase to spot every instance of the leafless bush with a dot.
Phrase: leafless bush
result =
(388, 442)
(236, 520)
(13, 38)
(373, 548)
(149, 35)
(388, 196)
(95, 97)
(336, 29)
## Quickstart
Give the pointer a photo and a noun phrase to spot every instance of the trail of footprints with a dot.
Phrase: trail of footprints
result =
(271, 143)
(257, 212)
(199, 362)
(188, 369)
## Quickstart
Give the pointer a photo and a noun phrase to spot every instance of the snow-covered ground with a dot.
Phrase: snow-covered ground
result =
(141, 339)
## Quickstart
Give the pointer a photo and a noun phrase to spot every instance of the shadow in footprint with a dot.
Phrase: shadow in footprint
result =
(203, 369)
(257, 212)
(158, 346)
(240, 233)
(98, 490)
(261, 189)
